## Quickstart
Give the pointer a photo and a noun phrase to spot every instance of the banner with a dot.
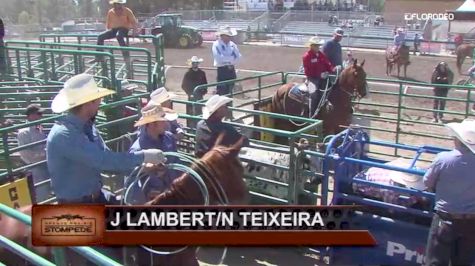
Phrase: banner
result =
(76, 225)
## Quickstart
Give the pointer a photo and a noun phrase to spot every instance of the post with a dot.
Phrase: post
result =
(399, 113)
(6, 153)
(292, 192)
(467, 106)
(59, 255)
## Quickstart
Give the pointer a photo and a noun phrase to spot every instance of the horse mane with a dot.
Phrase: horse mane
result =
(219, 168)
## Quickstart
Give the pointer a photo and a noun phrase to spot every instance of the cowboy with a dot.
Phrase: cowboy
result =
(36, 153)
(399, 40)
(417, 43)
(119, 21)
(194, 77)
(332, 48)
(162, 97)
(441, 75)
(76, 153)
(208, 129)
(316, 68)
(452, 233)
(156, 135)
(226, 55)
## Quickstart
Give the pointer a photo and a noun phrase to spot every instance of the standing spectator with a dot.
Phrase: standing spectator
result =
(193, 78)
(208, 129)
(332, 48)
(76, 153)
(119, 21)
(417, 43)
(36, 153)
(349, 60)
(451, 238)
(316, 67)
(226, 55)
(441, 75)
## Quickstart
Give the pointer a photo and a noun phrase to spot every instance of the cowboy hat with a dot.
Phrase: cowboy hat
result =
(79, 89)
(400, 30)
(160, 95)
(111, 2)
(194, 59)
(227, 30)
(408, 180)
(465, 132)
(154, 114)
(338, 32)
(126, 85)
(213, 104)
(315, 40)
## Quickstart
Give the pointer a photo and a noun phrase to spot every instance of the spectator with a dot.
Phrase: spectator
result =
(36, 153)
(451, 238)
(208, 129)
(417, 43)
(349, 60)
(119, 21)
(226, 55)
(76, 153)
(441, 75)
(193, 78)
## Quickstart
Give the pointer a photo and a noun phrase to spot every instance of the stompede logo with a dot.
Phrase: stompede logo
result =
(68, 225)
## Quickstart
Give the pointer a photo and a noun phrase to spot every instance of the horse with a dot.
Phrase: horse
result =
(401, 58)
(220, 168)
(351, 82)
(462, 51)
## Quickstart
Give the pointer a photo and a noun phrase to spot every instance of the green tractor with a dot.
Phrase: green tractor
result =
(175, 33)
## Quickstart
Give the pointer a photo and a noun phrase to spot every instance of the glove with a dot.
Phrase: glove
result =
(154, 156)
(337, 68)
(324, 75)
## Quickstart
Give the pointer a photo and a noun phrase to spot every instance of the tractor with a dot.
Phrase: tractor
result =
(174, 32)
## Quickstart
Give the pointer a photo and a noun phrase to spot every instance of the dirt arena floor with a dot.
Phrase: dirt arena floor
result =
(288, 59)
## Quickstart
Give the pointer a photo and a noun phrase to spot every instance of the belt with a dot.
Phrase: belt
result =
(456, 216)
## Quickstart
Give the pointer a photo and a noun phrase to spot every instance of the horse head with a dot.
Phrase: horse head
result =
(222, 174)
(353, 79)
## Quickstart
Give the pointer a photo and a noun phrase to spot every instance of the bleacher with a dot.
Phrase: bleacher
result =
(214, 25)
(308, 27)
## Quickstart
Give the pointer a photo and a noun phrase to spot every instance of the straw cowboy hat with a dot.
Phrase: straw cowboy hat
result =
(315, 40)
(79, 89)
(406, 179)
(227, 30)
(111, 2)
(213, 104)
(156, 113)
(465, 132)
(195, 59)
(160, 95)
(400, 30)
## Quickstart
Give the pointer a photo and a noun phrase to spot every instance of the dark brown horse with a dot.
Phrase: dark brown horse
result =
(351, 82)
(463, 51)
(218, 167)
(399, 59)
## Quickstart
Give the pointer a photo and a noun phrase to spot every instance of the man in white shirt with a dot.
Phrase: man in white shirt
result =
(36, 153)
(226, 55)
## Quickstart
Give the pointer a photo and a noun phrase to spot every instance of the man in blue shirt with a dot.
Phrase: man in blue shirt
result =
(226, 55)
(332, 48)
(76, 154)
(208, 130)
(155, 135)
(451, 175)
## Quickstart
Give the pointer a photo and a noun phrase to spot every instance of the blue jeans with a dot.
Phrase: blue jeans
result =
(225, 73)
(119, 33)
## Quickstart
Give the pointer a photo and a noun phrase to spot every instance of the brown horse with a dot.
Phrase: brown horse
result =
(399, 59)
(220, 167)
(351, 82)
(464, 50)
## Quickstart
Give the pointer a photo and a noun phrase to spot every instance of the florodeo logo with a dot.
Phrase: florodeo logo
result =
(68, 225)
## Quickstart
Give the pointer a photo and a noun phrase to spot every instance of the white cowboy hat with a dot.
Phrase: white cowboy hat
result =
(117, 2)
(126, 85)
(465, 132)
(227, 30)
(213, 104)
(406, 179)
(159, 96)
(400, 30)
(315, 40)
(154, 114)
(79, 89)
(194, 59)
